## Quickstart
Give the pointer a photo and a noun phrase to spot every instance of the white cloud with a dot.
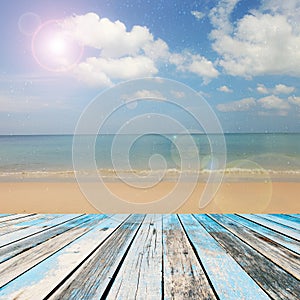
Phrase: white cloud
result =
(225, 89)
(240, 105)
(178, 94)
(283, 89)
(294, 100)
(112, 38)
(198, 14)
(197, 64)
(101, 71)
(262, 89)
(258, 44)
(142, 94)
(274, 103)
(126, 54)
(278, 89)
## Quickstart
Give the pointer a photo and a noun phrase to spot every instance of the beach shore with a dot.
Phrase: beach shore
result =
(232, 197)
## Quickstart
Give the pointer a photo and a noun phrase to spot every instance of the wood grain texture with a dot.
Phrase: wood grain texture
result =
(98, 270)
(280, 228)
(46, 276)
(285, 220)
(268, 233)
(281, 256)
(149, 257)
(184, 277)
(277, 283)
(220, 266)
(140, 276)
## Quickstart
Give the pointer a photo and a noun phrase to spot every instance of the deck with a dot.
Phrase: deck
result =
(149, 256)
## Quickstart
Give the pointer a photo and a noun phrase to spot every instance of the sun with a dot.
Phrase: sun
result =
(53, 49)
(57, 46)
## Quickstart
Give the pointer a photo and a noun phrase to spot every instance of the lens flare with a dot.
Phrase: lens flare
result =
(55, 50)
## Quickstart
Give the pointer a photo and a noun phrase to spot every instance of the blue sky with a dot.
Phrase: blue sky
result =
(242, 56)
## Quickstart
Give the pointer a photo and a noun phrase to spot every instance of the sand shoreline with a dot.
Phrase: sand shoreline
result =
(66, 197)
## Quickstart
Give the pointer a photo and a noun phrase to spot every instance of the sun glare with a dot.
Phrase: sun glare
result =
(57, 46)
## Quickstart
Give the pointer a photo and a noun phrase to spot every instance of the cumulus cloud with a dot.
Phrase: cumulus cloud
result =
(258, 44)
(294, 100)
(101, 71)
(278, 89)
(262, 89)
(274, 103)
(126, 54)
(283, 89)
(225, 89)
(240, 105)
(194, 63)
(198, 14)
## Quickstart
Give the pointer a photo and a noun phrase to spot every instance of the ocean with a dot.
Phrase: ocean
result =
(39, 157)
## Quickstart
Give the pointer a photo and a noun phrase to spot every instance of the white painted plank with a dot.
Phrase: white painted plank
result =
(66, 222)
(282, 220)
(23, 262)
(283, 229)
(29, 230)
(268, 233)
(140, 276)
(24, 223)
(99, 269)
(38, 282)
(230, 281)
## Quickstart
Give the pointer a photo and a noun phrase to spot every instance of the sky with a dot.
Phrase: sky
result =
(241, 56)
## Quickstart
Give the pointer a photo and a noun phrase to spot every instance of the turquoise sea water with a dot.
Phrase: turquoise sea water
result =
(46, 155)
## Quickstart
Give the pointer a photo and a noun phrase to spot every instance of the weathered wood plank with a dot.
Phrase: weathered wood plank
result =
(99, 269)
(140, 276)
(276, 282)
(4, 215)
(9, 218)
(26, 223)
(292, 218)
(284, 219)
(184, 277)
(268, 233)
(30, 230)
(295, 216)
(15, 219)
(17, 265)
(281, 256)
(39, 281)
(65, 223)
(280, 228)
(229, 280)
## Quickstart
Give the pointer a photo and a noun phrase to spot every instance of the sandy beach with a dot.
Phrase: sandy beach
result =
(66, 197)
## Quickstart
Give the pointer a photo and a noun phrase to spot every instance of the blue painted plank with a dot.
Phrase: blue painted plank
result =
(285, 222)
(295, 216)
(184, 277)
(30, 230)
(34, 238)
(39, 281)
(288, 217)
(229, 280)
(268, 233)
(281, 256)
(98, 270)
(276, 282)
(21, 224)
(280, 228)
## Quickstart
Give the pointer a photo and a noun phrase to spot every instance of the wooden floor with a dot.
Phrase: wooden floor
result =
(149, 256)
